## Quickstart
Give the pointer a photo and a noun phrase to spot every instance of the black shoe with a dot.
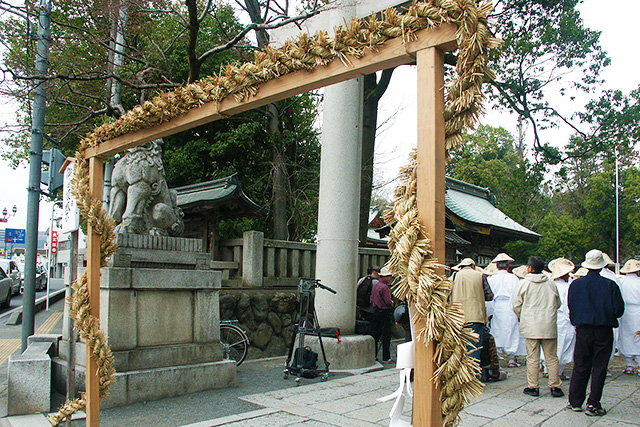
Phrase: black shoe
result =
(592, 411)
(535, 392)
(556, 392)
(574, 408)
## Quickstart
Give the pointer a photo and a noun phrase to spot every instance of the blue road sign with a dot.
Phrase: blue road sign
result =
(14, 235)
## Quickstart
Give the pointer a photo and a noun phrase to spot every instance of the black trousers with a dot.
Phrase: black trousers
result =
(590, 358)
(382, 331)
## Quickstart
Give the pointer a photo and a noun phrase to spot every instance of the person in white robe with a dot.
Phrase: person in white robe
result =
(505, 327)
(605, 272)
(628, 342)
(561, 268)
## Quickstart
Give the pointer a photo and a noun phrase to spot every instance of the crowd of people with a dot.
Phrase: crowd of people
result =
(554, 316)
(550, 314)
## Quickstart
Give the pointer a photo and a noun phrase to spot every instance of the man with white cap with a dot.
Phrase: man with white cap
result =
(471, 290)
(560, 270)
(504, 324)
(536, 303)
(628, 344)
(595, 304)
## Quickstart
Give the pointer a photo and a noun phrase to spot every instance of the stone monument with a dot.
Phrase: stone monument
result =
(159, 297)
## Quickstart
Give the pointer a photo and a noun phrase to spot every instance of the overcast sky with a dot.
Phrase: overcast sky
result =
(399, 136)
(615, 18)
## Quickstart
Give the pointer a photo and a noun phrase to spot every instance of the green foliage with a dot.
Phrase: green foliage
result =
(242, 145)
(489, 159)
(547, 49)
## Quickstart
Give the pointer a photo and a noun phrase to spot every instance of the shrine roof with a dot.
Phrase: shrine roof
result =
(223, 195)
(475, 209)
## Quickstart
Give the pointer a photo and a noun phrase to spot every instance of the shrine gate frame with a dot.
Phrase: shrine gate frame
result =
(427, 51)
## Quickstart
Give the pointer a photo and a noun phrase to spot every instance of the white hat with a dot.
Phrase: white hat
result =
(594, 260)
(491, 269)
(502, 257)
(580, 273)
(521, 271)
(385, 272)
(465, 263)
(631, 266)
(559, 267)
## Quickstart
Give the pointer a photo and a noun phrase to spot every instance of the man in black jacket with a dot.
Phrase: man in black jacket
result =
(595, 304)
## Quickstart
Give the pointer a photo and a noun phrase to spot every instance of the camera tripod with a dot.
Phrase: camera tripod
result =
(302, 363)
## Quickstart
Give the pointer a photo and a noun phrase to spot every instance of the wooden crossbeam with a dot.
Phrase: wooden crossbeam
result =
(394, 52)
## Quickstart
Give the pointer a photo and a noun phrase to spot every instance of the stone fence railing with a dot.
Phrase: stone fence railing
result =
(256, 262)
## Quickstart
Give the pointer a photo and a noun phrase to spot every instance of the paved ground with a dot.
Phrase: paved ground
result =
(263, 398)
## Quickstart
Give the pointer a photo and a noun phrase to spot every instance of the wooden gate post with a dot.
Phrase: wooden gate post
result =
(430, 201)
(93, 286)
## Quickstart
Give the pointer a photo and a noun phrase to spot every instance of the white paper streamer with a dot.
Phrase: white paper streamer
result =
(405, 354)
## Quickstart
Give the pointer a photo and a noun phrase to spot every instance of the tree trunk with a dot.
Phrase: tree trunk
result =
(274, 126)
(373, 91)
(279, 170)
(194, 28)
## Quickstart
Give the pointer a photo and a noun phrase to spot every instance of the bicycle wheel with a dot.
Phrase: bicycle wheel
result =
(235, 343)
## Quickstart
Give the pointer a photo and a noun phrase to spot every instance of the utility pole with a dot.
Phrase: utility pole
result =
(35, 171)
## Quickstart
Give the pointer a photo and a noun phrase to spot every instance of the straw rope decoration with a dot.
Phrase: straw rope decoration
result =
(411, 255)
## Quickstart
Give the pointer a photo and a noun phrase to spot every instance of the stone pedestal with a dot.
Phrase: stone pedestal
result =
(352, 353)
(159, 306)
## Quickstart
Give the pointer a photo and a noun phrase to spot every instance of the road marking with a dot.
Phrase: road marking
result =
(50, 323)
(7, 348)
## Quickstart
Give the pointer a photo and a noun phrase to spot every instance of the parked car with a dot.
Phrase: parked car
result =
(6, 290)
(41, 277)
(11, 269)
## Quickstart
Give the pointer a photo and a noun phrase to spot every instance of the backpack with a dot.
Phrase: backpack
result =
(363, 293)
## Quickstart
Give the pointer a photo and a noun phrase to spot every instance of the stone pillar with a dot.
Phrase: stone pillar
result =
(252, 259)
(338, 210)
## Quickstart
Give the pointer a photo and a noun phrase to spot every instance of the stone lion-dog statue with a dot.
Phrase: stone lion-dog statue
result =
(140, 200)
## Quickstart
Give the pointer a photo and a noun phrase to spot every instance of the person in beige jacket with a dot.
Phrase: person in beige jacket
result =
(536, 302)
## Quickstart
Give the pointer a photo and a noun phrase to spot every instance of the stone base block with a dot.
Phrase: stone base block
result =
(353, 352)
(154, 384)
(29, 381)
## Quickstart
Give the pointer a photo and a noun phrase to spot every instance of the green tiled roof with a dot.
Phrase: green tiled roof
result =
(224, 195)
(476, 206)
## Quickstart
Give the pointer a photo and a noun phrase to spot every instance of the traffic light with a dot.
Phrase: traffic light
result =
(53, 178)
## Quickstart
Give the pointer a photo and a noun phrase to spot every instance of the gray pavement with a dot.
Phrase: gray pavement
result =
(263, 398)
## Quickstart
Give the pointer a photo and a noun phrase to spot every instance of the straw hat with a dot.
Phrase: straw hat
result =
(491, 269)
(580, 273)
(559, 267)
(594, 260)
(502, 257)
(521, 271)
(631, 266)
(607, 258)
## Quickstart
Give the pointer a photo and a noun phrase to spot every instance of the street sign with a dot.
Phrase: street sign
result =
(14, 235)
(70, 215)
(54, 242)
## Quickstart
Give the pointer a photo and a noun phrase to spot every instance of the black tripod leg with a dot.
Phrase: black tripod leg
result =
(324, 355)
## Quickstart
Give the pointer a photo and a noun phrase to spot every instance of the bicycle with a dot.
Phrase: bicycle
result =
(234, 340)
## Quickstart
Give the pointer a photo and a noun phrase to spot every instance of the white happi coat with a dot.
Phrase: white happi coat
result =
(504, 325)
(566, 331)
(630, 321)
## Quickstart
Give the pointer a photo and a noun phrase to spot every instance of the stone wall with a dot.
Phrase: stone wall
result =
(267, 317)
